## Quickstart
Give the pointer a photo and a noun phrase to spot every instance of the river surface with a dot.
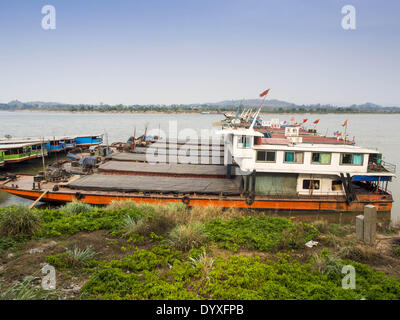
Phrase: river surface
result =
(370, 130)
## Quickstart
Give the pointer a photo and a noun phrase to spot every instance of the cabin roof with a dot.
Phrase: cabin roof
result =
(45, 139)
(315, 148)
(16, 145)
(240, 132)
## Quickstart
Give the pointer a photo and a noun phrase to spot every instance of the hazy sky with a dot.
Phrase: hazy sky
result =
(190, 51)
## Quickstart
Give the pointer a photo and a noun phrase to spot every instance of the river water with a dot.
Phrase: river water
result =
(379, 131)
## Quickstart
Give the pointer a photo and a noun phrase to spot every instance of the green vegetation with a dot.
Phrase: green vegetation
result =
(261, 233)
(25, 290)
(270, 107)
(75, 207)
(72, 258)
(188, 236)
(19, 220)
(171, 252)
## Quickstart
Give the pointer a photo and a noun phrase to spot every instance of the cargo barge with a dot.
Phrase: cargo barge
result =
(253, 171)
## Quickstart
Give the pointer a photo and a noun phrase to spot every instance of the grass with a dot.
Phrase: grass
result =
(72, 258)
(188, 236)
(178, 257)
(396, 251)
(25, 290)
(76, 257)
(75, 207)
(19, 220)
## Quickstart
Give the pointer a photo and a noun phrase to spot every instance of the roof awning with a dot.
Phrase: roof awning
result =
(371, 178)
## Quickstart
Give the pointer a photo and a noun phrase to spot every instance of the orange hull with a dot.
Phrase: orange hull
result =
(263, 203)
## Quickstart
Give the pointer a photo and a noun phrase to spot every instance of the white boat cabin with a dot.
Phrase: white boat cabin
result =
(310, 168)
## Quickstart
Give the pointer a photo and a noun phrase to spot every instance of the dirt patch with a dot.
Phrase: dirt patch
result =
(30, 258)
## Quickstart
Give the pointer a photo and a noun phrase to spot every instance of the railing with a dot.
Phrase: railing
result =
(389, 166)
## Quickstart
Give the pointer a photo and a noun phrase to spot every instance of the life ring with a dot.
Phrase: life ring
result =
(250, 200)
(185, 200)
(79, 195)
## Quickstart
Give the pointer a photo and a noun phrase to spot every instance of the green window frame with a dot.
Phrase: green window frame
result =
(294, 157)
(351, 159)
(321, 158)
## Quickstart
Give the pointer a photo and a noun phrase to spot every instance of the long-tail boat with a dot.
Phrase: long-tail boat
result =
(13, 153)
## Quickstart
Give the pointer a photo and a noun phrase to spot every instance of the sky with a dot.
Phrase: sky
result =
(197, 51)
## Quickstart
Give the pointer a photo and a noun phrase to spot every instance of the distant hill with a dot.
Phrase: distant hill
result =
(272, 105)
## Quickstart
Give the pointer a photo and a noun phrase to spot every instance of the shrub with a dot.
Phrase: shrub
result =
(132, 225)
(57, 222)
(321, 225)
(19, 220)
(203, 261)
(396, 251)
(359, 253)
(186, 237)
(261, 233)
(296, 235)
(122, 204)
(75, 207)
(72, 258)
(79, 257)
(337, 229)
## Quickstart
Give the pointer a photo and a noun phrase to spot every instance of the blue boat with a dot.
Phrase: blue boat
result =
(87, 141)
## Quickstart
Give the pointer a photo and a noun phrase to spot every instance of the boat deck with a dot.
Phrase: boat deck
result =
(125, 167)
(143, 157)
(160, 184)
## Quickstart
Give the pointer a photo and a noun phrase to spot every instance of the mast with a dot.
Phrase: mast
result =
(44, 168)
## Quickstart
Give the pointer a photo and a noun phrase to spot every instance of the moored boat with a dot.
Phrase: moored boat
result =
(13, 153)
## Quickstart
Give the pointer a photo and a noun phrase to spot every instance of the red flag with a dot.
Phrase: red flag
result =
(264, 93)
(305, 120)
(316, 121)
(344, 124)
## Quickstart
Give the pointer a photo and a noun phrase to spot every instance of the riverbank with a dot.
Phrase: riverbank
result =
(139, 251)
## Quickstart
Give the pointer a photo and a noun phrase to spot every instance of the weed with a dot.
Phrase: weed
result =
(203, 261)
(186, 237)
(25, 290)
(75, 207)
(72, 258)
(396, 251)
(19, 220)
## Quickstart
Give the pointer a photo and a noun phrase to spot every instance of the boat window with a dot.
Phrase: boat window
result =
(337, 185)
(311, 184)
(244, 142)
(375, 159)
(321, 158)
(351, 159)
(294, 157)
(266, 156)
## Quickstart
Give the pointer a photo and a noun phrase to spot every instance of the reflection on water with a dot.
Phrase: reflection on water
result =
(372, 131)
